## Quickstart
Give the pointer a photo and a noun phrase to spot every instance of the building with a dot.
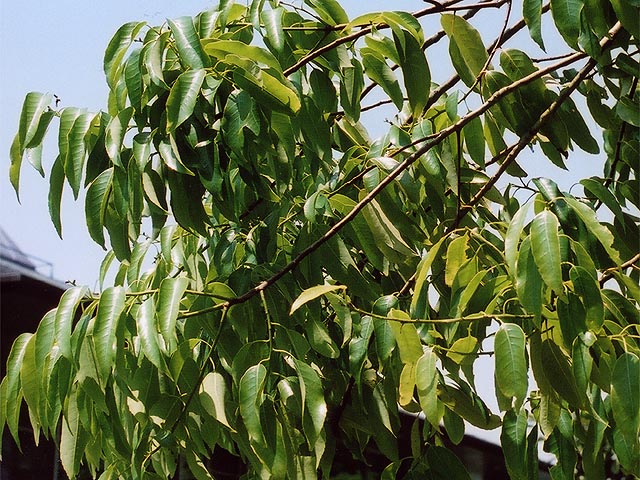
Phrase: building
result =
(26, 294)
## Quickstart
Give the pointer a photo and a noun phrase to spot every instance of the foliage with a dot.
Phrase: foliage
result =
(284, 282)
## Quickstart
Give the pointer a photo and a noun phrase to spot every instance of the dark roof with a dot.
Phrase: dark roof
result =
(10, 251)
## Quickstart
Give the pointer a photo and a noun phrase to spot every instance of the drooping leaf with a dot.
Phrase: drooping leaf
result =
(545, 247)
(532, 14)
(110, 308)
(625, 395)
(511, 365)
(415, 70)
(513, 439)
(188, 44)
(117, 49)
(183, 97)
(558, 372)
(566, 15)
(170, 296)
(465, 46)
(213, 395)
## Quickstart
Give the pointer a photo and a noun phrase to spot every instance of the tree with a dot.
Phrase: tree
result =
(284, 282)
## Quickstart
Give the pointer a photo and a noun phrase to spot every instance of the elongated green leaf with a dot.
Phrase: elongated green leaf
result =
(34, 121)
(311, 294)
(512, 238)
(558, 371)
(96, 203)
(528, 281)
(272, 20)
(110, 308)
(532, 14)
(427, 383)
(188, 43)
(269, 90)
(625, 395)
(415, 70)
(313, 402)
(149, 333)
(378, 71)
(12, 396)
(65, 314)
(443, 463)
(152, 60)
(115, 133)
(475, 141)
(511, 365)
(170, 296)
(221, 48)
(513, 439)
(351, 84)
(604, 236)
(213, 395)
(586, 287)
(250, 396)
(409, 344)
(117, 49)
(596, 187)
(566, 15)
(545, 247)
(76, 151)
(420, 300)
(330, 11)
(465, 46)
(182, 98)
(456, 257)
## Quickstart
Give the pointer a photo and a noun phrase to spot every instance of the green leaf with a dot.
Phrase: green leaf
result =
(311, 294)
(221, 48)
(513, 439)
(455, 258)
(351, 84)
(272, 20)
(313, 402)
(532, 14)
(545, 247)
(604, 236)
(110, 308)
(379, 72)
(65, 317)
(169, 298)
(330, 11)
(12, 395)
(511, 370)
(465, 47)
(566, 15)
(267, 89)
(427, 383)
(587, 288)
(409, 344)
(415, 70)
(475, 141)
(96, 202)
(117, 49)
(188, 44)
(443, 463)
(420, 300)
(213, 396)
(250, 396)
(625, 395)
(528, 281)
(183, 97)
(559, 373)
(149, 333)
(512, 238)
(595, 186)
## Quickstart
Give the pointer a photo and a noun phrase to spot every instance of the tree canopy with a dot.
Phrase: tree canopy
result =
(287, 283)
